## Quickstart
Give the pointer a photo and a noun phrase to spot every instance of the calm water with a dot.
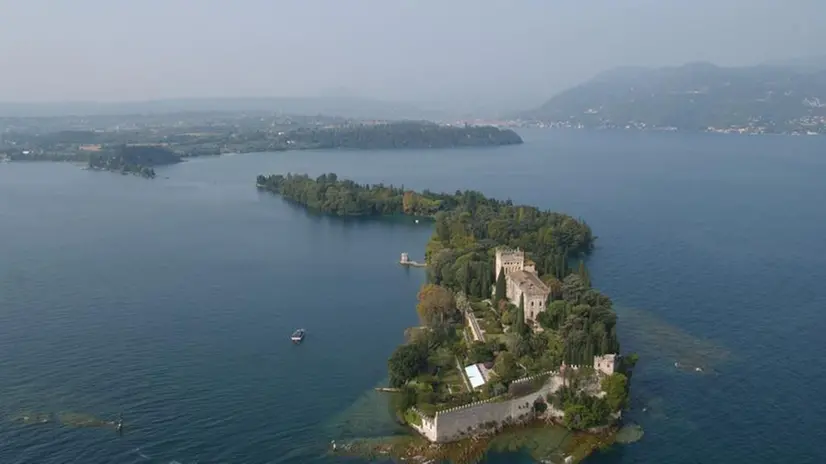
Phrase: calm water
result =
(171, 300)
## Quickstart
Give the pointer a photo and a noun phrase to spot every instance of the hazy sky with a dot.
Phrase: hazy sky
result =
(58, 50)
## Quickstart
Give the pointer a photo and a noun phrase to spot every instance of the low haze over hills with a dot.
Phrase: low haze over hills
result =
(782, 96)
(344, 106)
(787, 96)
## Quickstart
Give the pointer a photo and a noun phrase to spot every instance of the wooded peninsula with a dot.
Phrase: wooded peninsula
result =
(138, 152)
(486, 260)
(198, 140)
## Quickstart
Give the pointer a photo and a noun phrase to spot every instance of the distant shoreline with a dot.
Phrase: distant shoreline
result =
(149, 148)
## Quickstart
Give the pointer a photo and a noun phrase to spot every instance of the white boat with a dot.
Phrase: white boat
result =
(298, 335)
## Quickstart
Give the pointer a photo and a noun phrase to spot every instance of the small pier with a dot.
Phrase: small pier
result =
(405, 261)
(388, 390)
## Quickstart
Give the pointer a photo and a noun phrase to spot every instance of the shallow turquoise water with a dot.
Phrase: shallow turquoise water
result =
(172, 300)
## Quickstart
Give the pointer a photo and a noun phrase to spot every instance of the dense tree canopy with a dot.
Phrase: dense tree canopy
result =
(615, 387)
(468, 226)
(133, 159)
(464, 220)
(585, 320)
(405, 134)
(406, 363)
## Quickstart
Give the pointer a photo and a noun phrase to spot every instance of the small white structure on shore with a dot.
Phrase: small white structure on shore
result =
(405, 259)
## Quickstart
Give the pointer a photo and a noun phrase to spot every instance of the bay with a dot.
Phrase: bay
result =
(172, 300)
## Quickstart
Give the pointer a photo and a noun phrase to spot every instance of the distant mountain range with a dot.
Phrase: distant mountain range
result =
(774, 97)
(343, 106)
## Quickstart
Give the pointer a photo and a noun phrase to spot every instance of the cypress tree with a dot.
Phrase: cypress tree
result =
(561, 267)
(484, 277)
(466, 279)
(519, 324)
(583, 274)
(501, 287)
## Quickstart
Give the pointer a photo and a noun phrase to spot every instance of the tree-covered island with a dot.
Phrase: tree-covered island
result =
(136, 160)
(511, 334)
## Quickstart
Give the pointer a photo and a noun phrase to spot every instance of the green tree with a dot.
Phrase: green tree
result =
(505, 367)
(576, 415)
(480, 352)
(615, 387)
(545, 320)
(573, 288)
(406, 363)
(442, 228)
(466, 276)
(501, 286)
(519, 324)
(582, 272)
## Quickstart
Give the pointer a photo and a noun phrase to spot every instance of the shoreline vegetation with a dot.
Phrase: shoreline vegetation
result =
(469, 320)
(138, 152)
(135, 160)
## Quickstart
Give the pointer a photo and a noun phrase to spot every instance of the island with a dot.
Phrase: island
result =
(136, 160)
(195, 135)
(512, 335)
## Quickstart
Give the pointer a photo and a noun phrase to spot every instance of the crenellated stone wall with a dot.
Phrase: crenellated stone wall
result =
(474, 418)
(464, 421)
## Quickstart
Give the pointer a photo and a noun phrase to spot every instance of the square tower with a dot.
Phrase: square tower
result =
(509, 260)
(605, 363)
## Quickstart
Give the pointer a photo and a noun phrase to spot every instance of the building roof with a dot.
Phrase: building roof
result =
(529, 282)
(475, 376)
(510, 251)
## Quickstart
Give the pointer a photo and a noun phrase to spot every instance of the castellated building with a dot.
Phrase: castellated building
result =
(521, 281)
(606, 363)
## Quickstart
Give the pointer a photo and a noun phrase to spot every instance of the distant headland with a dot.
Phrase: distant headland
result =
(774, 98)
(511, 336)
(140, 149)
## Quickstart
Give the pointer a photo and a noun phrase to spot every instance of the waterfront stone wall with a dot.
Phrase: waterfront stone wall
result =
(474, 418)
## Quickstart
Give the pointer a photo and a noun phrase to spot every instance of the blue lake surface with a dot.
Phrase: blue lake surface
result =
(172, 300)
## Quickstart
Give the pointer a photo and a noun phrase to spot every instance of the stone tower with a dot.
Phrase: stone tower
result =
(605, 363)
(510, 260)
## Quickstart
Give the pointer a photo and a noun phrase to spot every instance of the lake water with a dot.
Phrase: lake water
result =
(172, 300)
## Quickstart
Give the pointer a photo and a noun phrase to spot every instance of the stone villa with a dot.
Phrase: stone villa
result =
(522, 281)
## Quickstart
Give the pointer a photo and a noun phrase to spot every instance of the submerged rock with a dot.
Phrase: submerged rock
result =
(33, 418)
(629, 434)
(541, 441)
(74, 419)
